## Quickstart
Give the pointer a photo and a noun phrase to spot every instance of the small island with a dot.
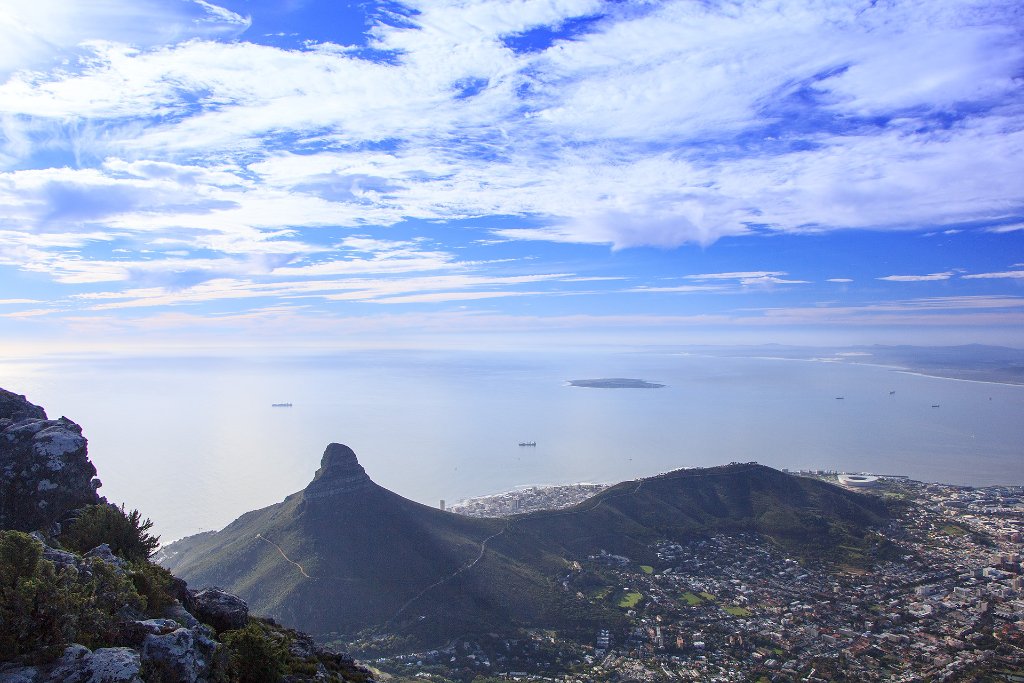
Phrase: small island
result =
(614, 383)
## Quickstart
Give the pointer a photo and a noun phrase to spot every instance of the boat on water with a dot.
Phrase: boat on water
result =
(280, 405)
(840, 398)
(527, 443)
(935, 405)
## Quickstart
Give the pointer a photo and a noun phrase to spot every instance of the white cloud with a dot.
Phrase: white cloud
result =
(418, 289)
(605, 137)
(679, 288)
(748, 275)
(1011, 274)
(156, 166)
(839, 279)
(750, 278)
(35, 33)
(933, 277)
(441, 297)
(32, 313)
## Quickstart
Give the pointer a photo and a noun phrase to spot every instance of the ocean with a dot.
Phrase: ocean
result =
(195, 442)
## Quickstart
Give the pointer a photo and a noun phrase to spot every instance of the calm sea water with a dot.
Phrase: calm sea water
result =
(194, 443)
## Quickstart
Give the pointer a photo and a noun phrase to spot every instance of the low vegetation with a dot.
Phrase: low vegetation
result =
(255, 657)
(736, 610)
(43, 608)
(692, 599)
(126, 533)
(630, 600)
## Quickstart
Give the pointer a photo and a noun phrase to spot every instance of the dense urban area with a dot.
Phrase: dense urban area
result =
(527, 499)
(944, 602)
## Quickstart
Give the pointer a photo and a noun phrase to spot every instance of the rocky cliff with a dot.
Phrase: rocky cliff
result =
(45, 472)
(340, 473)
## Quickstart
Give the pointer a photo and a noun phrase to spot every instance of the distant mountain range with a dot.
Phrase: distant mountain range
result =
(978, 362)
(346, 556)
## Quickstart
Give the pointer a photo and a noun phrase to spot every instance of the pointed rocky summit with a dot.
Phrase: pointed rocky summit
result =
(339, 473)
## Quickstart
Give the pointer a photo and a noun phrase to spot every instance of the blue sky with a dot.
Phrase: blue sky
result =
(267, 174)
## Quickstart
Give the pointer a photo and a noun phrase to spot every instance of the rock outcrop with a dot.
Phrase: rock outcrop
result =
(340, 473)
(220, 609)
(186, 655)
(177, 645)
(45, 472)
(78, 664)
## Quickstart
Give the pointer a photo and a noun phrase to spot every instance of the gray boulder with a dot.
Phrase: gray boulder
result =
(45, 472)
(182, 616)
(79, 665)
(181, 655)
(220, 609)
(103, 552)
(115, 665)
(134, 632)
(15, 673)
(73, 666)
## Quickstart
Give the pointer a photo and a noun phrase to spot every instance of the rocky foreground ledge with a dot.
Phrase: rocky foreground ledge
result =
(100, 617)
(45, 472)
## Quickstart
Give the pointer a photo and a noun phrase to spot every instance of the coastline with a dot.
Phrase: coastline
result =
(902, 369)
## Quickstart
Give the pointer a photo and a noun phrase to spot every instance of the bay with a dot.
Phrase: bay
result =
(195, 442)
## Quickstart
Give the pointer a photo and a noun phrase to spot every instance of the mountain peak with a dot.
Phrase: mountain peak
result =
(340, 472)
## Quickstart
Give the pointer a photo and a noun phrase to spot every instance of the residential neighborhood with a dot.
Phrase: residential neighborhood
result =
(943, 600)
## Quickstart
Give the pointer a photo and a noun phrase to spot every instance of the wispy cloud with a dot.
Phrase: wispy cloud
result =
(1012, 274)
(422, 289)
(749, 278)
(29, 313)
(932, 277)
(41, 33)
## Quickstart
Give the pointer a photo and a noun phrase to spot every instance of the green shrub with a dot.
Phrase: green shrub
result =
(33, 600)
(255, 657)
(43, 609)
(126, 533)
(153, 583)
(97, 602)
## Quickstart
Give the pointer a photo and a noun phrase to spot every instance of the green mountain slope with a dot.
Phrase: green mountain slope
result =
(345, 555)
(807, 515)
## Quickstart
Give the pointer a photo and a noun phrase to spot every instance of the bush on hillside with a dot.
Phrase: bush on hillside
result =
(43, 609)
(98, 602)
(255, 656)
(126, 533)
(154, 584)
(33, 599)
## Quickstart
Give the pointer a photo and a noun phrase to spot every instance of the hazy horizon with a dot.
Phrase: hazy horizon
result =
(194, 443)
